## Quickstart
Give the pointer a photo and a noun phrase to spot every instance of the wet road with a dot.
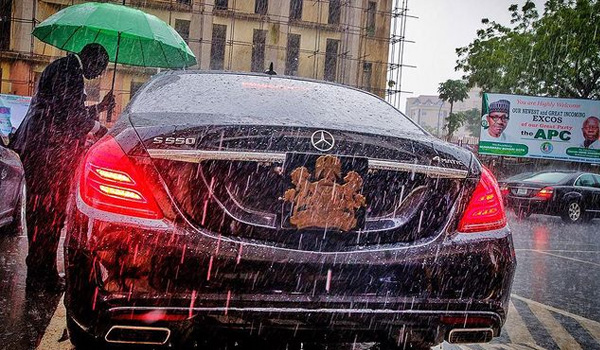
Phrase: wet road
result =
(555, 297)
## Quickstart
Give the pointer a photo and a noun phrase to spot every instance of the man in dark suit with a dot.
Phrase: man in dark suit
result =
(50, 142)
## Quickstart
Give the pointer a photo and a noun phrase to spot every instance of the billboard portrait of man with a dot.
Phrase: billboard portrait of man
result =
(591, 133)
(497, 120)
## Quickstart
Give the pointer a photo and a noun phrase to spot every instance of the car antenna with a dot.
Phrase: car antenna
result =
(270, 71)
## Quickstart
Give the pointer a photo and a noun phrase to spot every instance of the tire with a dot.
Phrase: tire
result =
(573, 212)
(18, 225)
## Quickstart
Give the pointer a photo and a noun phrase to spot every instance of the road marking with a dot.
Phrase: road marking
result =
(591, 326)
(518, 334)
(560, 256)
(54, 331)
(561, 336)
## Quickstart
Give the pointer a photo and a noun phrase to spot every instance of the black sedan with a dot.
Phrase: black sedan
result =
(234, 208)
(12, 192)
(572, 195)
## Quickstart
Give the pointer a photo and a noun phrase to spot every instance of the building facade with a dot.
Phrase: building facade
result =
(430, 111)
(346, 41)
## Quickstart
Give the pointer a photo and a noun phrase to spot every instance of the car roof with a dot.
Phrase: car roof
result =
(268, 76)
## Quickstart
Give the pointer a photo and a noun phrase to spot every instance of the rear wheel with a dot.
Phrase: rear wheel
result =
(573, 212)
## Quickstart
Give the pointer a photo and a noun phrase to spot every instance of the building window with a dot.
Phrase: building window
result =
(292, 55)
(5, 18)
(334, 11)
(184, 2)
(217, 47)
(261, 7)
(296, 9)
(221, 5)
(331, 55)
(258, 50)
(182, 27)
(367, 73)
(134, 87)
(371, 12)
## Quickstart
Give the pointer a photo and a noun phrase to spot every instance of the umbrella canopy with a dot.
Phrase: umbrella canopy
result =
(135, 37)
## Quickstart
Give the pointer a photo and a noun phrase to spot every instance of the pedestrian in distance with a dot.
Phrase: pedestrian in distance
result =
(50, 142)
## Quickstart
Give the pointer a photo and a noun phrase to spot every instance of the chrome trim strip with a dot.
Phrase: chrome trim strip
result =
(302, 310)
(196, 156)
(418, 168)
(158, 329)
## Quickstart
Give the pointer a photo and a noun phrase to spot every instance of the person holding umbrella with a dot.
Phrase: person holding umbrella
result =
(50, 141)
(51, 137)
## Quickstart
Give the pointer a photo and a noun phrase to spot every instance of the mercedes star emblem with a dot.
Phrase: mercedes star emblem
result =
(322, 140)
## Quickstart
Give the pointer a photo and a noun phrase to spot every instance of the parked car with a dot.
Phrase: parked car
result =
(572, 195)
(12, 192)
(229, 207)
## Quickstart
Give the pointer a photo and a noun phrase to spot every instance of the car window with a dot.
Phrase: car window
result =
(547, 177)
(242, 99)
(586, 180)
(597, 178)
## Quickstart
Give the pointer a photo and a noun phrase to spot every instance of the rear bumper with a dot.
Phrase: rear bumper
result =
(532, 205)
(198, 285)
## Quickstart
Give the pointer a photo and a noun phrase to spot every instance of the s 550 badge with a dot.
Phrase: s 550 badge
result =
(174, 140)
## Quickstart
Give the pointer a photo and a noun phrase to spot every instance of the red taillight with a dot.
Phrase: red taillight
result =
(504, 190)
(545, 193)
(111, 182)
(486, 208)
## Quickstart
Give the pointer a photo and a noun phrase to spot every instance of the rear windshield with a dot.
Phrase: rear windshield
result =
(222, 99)
(548, 177)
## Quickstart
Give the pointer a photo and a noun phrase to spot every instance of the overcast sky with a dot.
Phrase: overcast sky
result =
(441, 27)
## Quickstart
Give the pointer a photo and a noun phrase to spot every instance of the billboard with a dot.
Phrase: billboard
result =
(540, 127)
(12, 111)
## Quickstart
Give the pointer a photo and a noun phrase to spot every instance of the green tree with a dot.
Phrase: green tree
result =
(453, 122)
(473, 121)
(556, 54)
(453, 91)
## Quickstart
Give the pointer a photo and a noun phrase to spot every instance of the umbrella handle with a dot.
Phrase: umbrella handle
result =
(112, 87)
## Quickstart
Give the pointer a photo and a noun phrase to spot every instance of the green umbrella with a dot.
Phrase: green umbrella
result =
(130, 36)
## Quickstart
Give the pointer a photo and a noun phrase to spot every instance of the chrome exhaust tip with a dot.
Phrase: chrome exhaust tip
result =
(470, 335)
(138, 335)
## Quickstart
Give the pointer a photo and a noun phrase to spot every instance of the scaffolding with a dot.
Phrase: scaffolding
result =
(365, 58)
(396, 65)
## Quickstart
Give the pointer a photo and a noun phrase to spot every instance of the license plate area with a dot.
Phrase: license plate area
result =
(522, 191)
(324, 192)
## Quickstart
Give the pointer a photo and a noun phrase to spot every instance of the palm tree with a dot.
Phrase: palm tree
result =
(453, 91)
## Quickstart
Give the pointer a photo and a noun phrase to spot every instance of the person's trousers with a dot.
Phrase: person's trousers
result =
(46, 212)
